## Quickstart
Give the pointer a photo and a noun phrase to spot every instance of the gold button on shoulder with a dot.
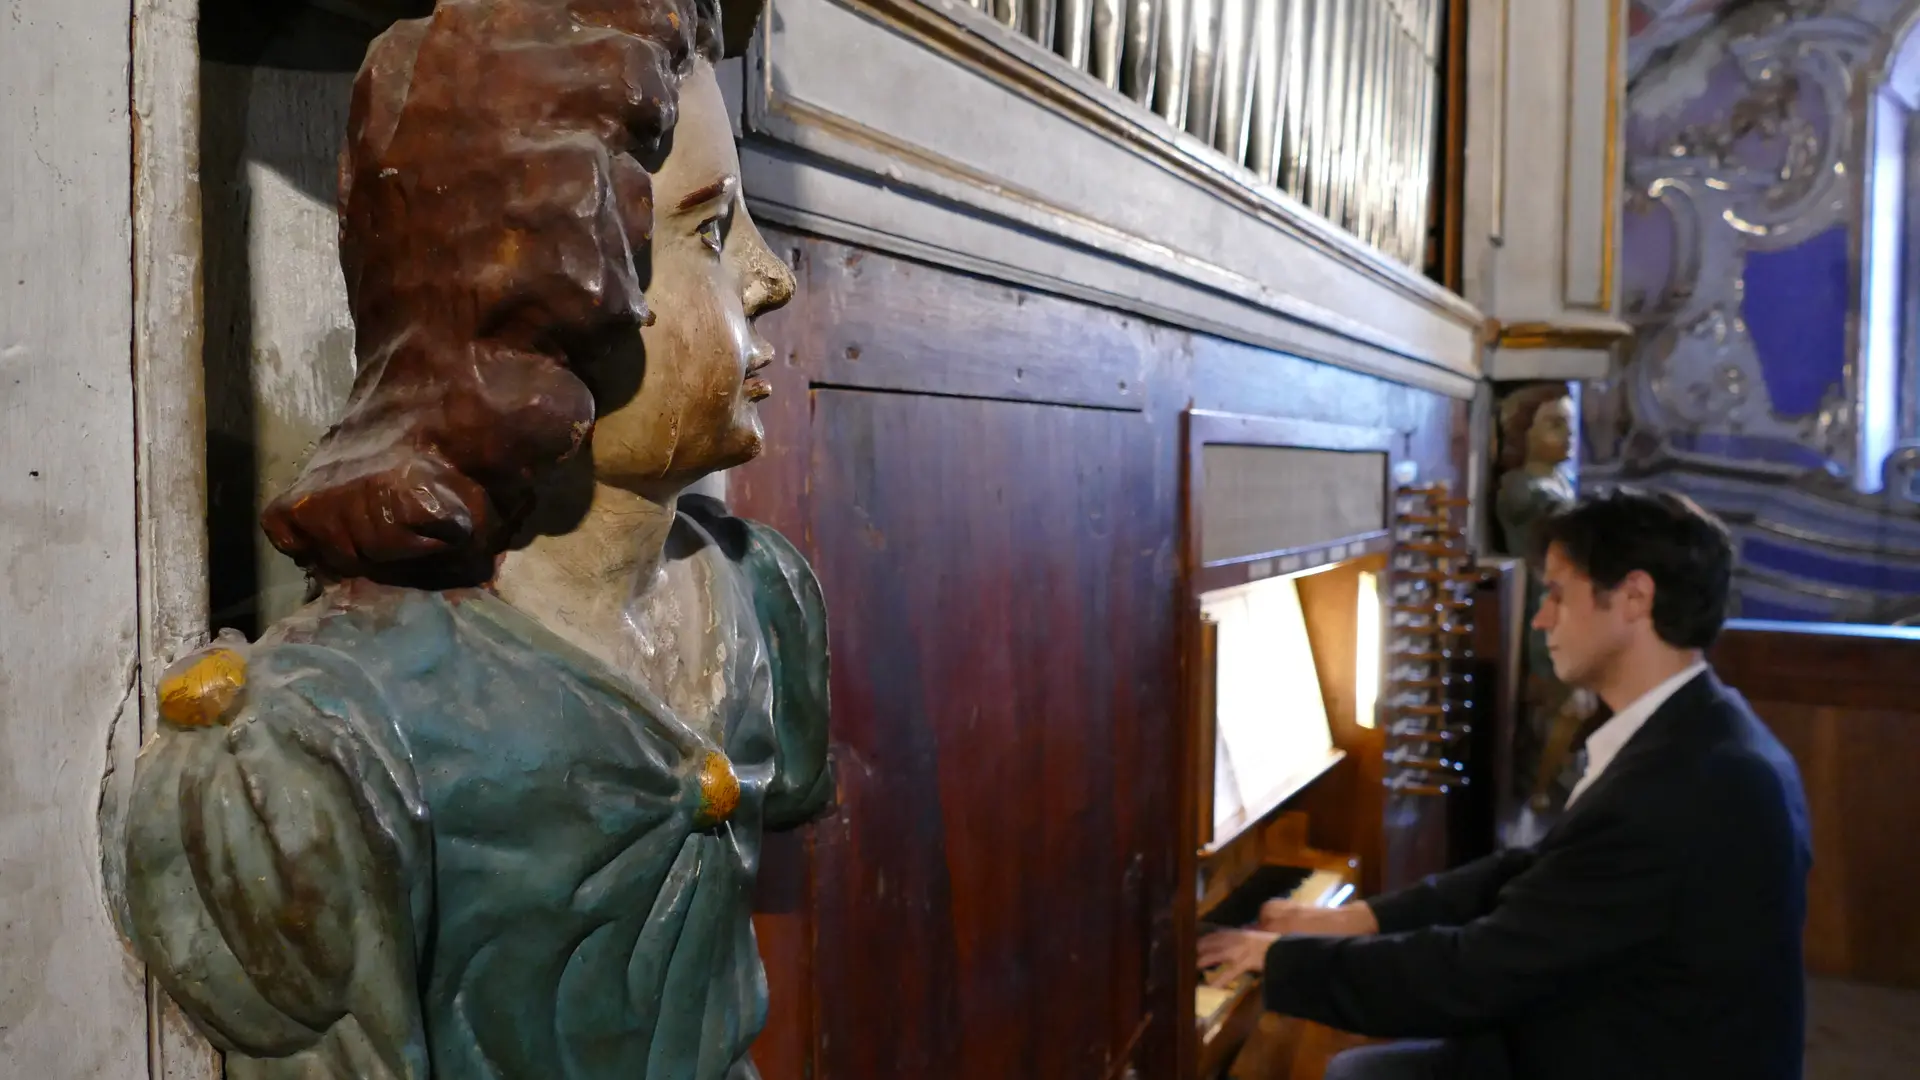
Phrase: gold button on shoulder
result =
(198, 690)
(719, 791)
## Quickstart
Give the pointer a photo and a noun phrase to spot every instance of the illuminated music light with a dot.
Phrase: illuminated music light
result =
(1367, 650)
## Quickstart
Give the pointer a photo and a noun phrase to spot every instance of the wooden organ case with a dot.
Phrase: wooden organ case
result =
(1347, 679)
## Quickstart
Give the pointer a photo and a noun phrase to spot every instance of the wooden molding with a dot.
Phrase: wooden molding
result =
(1546, 335)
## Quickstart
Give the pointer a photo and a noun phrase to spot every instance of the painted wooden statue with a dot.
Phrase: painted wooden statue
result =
(1536, 437)
(492, 806)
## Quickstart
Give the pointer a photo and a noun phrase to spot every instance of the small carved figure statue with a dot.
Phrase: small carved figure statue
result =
(1536, 441)
(491, 807)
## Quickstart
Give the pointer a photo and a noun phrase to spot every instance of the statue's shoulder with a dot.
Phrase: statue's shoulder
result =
(369, 622)
(1516, 483)
(777, 574)
(279, 771)
(1522, 491)
(339, 654)
(793, 618)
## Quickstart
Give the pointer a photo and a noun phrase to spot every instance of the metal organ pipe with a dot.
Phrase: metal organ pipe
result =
(1372, 149)
(1323, 195)
(1203, 67)
(1335, 102)
(1073, 32)
(1170, 77)
(1353, 92)
(1236, 60)
(1299, 25)
(1265, 87)
(1395, 126)
(1038, 23)
(1140, 49)
(1109, 24)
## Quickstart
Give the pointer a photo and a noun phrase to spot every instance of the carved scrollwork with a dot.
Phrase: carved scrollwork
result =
(1900, 475)
(1771, 170)
(1808, 190)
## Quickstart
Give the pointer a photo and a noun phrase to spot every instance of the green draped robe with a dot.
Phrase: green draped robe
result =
(432, 839)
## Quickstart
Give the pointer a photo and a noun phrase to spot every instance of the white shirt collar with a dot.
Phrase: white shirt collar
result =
(1607, 740)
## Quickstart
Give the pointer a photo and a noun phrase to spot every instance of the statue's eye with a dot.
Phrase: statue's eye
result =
(710, 234)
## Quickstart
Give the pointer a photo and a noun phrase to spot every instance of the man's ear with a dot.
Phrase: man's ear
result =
(1637, 587)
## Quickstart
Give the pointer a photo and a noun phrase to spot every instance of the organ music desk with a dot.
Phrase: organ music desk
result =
(1287, 537)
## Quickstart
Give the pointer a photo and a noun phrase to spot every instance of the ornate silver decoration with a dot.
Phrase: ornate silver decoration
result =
(1695, 369)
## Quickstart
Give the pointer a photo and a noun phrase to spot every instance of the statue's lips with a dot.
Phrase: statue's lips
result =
(757, 387)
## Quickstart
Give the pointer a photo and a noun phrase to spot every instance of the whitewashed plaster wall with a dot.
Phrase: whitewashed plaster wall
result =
(71, 1000)
(279, 352)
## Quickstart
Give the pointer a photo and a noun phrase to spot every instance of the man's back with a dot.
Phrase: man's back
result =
(1718, 989)
(1654, 932)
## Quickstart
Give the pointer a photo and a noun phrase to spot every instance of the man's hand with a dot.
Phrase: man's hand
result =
(1287, 917)
(1233, 953)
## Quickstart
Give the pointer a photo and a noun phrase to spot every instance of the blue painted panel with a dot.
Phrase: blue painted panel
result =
(1754, 608)
(1829, 569)
(1795, 307)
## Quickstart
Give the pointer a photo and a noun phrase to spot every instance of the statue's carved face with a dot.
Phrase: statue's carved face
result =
(1550, 439)
(680, 404)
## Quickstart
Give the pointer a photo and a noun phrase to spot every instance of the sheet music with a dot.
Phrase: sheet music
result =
(1270, 719)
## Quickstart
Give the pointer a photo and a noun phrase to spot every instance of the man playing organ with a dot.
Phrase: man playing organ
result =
(1655, 931)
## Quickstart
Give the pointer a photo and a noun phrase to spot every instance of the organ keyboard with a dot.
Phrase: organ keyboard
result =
(1265, 864)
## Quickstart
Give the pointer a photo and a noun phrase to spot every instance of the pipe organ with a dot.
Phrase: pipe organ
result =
(1335, 102)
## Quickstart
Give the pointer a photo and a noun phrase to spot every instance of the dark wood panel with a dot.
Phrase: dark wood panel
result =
(1844, 666)
(1445, 264)
(1499, 609)
(1417, 840)
(1843, 700)
(1234, 378)
(1003, 716)
(898, 325)
(1858, 766)
(783, 923)
(775, 489)
(996, 892)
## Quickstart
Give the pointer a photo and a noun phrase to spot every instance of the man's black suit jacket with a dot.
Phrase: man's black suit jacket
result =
(1655, 931)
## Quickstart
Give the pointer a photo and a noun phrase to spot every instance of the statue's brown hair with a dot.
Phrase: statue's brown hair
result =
(495, 216)
(1517, 412)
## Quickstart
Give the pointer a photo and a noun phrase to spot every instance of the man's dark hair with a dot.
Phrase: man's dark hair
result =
(1685, 550)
